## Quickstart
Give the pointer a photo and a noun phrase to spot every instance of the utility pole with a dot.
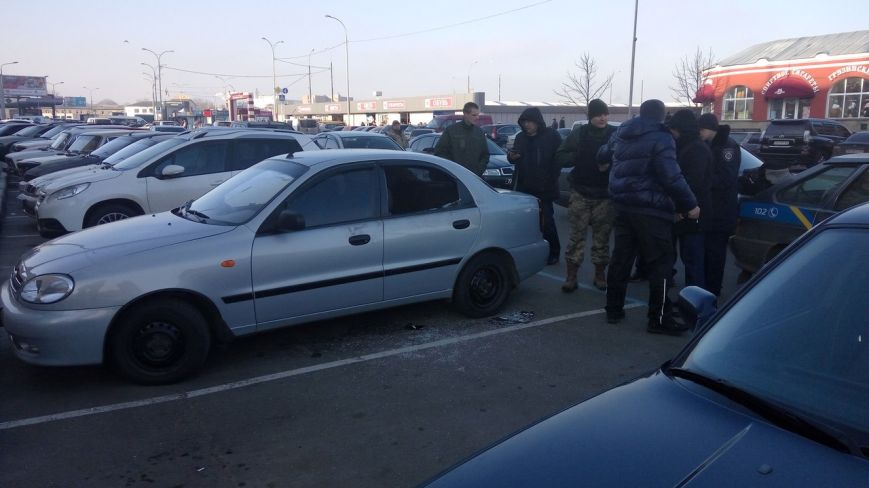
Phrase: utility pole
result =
(347, 54)
(633, 57)
(310, 93)
(274, 81)
(159, 79)
(331, 83)
(499, 87)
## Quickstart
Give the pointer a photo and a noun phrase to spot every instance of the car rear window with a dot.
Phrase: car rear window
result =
(368, 142)
(792, 130)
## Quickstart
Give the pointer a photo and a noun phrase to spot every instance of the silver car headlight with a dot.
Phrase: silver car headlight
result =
(70, 191)
(48, 288)
(492, 172)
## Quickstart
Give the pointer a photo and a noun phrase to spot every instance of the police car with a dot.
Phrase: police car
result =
(771, 219)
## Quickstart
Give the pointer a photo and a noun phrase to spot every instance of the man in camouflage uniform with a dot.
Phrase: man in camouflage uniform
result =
(589, 196)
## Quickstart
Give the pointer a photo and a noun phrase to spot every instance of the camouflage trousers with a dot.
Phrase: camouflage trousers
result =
(584, 213)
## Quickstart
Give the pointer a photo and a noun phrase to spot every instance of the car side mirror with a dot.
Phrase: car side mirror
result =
(290, 221)
(172, 171)
(696, 306)
(428, 150)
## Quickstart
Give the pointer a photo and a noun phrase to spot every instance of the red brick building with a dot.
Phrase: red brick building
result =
(820, 77)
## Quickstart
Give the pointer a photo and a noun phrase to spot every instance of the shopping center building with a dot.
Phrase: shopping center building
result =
(822, 77)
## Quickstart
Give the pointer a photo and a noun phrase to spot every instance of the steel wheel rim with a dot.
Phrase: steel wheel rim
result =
(485, 285)
(158, 344)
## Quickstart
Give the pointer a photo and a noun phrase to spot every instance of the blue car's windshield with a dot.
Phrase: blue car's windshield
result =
(800, 337)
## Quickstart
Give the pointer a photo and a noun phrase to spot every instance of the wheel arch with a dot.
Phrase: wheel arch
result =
(122, 201)
(217, 327)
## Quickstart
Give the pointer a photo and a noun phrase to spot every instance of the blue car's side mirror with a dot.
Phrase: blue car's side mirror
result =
(696, 306)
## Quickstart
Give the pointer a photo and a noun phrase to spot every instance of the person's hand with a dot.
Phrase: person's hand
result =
(603, 167)
(694, 213)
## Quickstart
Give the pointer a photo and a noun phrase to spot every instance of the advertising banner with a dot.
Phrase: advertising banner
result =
(24, 86)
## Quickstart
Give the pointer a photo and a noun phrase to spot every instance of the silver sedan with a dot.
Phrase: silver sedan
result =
(290, 240)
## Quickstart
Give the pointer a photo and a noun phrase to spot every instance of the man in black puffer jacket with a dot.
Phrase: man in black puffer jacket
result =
(647, 189)
(720, 213)
(536, 171)
(695, 161)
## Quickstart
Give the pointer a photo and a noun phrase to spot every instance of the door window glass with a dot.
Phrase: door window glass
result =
(856, 193)
(813, 190)
(343, 197)
(422, 143)
(248, 152)
(198, 159)
(415, 189)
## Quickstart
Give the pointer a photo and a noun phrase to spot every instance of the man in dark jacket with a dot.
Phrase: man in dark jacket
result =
(589, 195)
(464, 142)
(647, 189)
(695, 161)
(722, 207)
(536, 171)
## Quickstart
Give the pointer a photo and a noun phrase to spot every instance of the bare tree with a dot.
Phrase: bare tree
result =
(689, 75)
(582, 86)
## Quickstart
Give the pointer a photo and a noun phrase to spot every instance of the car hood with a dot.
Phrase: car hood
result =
(90, 174)
(658, 432)
(50, 177)
(103, 243)
(52, 158)
(498, 161)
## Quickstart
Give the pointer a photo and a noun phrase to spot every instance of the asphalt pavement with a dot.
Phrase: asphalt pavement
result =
(387, 398)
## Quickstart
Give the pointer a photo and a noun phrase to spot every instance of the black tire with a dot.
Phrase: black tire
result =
(482, 286)
(110, 212)
(160, 342)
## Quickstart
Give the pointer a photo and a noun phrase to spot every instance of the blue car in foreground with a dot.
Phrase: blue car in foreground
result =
(772, 391)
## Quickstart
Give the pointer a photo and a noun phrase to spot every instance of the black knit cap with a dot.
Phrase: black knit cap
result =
(596, 108)
(684, 121)
(653, 109)
(709, 121)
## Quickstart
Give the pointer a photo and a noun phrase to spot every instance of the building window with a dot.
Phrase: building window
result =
(738, 104)
(135, 110)
(848, 99)
(789, 108)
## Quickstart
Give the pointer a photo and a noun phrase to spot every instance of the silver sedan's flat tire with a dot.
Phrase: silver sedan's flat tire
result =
(482, 286)
(160, 342)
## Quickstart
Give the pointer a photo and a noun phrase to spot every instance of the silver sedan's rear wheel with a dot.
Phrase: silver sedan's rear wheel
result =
(482, 286)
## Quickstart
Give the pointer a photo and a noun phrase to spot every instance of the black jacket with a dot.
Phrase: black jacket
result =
(580, 150)
(695, 161)
(722, 207)
(536, 170)
(645, 177)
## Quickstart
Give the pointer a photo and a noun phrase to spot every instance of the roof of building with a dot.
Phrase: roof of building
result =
(856, 42)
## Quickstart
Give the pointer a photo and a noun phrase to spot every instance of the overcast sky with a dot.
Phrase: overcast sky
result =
(98, 43)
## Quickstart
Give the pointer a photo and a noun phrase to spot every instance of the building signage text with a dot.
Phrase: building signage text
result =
(333, 107)
(394, 105)
(366, 106)
(796, 72)
(853, 68)
(438, 102)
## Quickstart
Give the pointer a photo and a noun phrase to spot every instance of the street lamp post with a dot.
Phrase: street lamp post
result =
(347, 55)
(153, 88)
(159, 79)
(2, 95)
(53, 97)
(274, 79)
(310, 95)
(92, 99)
(469, 75)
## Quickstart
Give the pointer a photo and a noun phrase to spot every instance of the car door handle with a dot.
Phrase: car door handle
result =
(461, 224)
(360, 240)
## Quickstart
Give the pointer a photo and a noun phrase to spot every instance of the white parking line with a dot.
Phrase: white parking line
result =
(630, 300)
(290, 373)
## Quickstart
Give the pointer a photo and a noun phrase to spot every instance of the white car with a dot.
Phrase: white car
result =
(159, 178)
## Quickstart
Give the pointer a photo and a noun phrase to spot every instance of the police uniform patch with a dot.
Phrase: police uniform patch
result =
(727, 154)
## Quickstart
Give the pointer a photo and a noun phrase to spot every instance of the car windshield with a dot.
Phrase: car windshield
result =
(84, 143)
(60, 140)
(127, 151)
(113, 146)
(369, 142)
(494, 149)
(748, 161)
(241, 197)
(30, 131)
(800, 337)
(137, 160)
(54, 131)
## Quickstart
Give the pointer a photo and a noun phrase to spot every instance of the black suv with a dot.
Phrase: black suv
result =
(799, 144)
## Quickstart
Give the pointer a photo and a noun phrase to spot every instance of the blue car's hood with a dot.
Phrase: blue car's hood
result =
(655, 432)
(103, 243)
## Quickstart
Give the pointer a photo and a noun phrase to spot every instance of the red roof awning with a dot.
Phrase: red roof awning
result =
(790, 87)
(704, 95)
